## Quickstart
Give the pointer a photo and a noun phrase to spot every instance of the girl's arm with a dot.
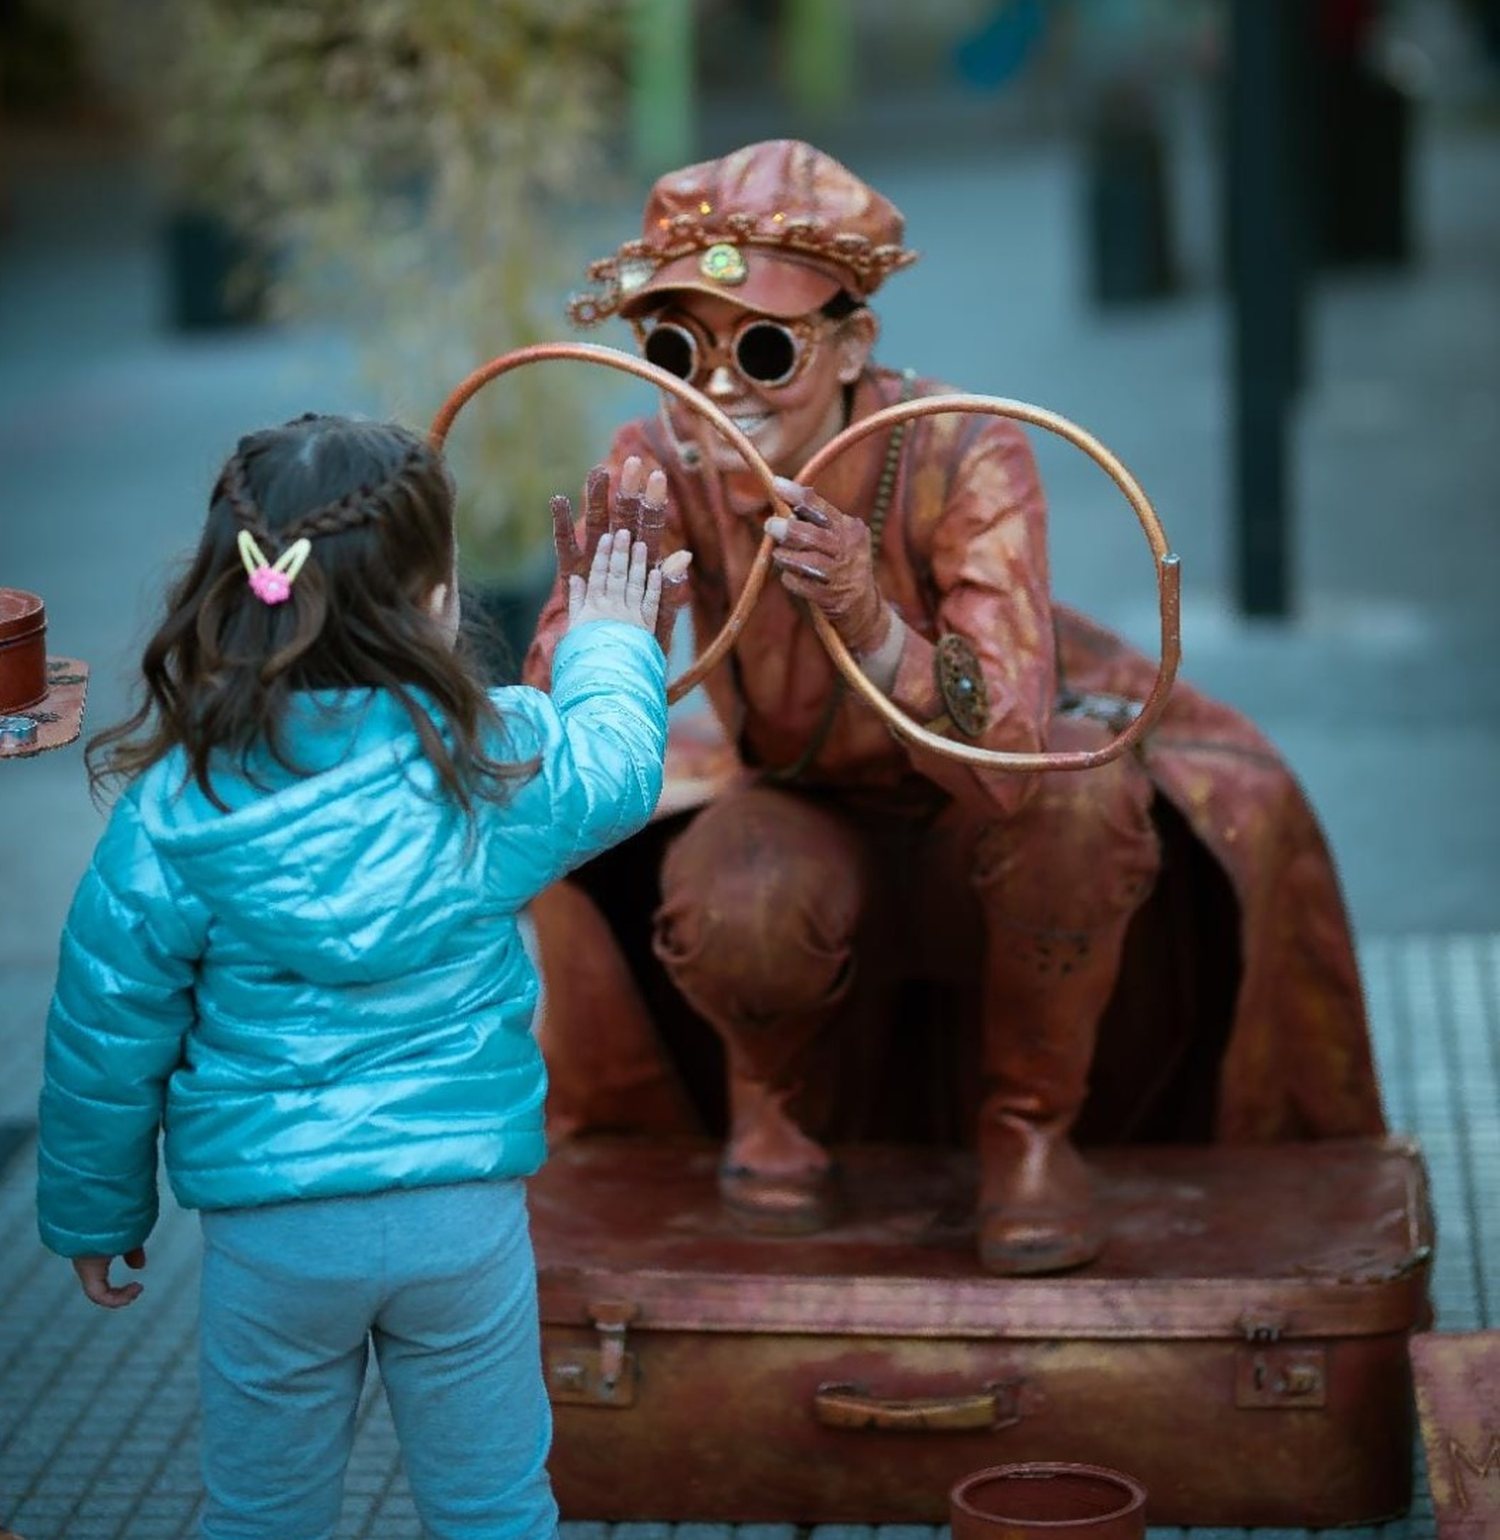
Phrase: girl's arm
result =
(120, 1013)
(601, 732)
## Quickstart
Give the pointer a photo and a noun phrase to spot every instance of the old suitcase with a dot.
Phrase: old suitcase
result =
(1241, 1347)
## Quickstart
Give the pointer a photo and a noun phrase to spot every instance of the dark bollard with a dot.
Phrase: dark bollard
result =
(1129, 202)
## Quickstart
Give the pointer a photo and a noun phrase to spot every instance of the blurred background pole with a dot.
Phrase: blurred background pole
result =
(663, 85)
(817, 39)
(1267, 261)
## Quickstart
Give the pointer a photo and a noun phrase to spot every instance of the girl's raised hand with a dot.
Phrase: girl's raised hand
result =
(621, 585)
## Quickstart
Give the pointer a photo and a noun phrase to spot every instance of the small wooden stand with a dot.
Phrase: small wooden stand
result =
(1458, 1405)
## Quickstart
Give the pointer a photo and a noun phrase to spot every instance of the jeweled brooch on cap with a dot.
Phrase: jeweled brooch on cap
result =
(724, 264)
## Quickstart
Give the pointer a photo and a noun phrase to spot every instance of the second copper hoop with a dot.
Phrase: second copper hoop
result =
(1167, 567)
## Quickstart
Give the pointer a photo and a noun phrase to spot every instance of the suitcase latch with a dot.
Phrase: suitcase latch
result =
(1271, 1372)
(602, 1375)
(1280, 1374)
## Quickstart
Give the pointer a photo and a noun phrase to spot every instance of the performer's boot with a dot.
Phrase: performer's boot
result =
(773, 1178)
(1036, 1209)
(761, 898)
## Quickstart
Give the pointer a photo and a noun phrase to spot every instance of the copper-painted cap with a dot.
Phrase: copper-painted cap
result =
(778, 227)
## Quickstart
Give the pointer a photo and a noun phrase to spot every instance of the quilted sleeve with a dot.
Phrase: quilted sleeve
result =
(601, 737)
(120, 1013)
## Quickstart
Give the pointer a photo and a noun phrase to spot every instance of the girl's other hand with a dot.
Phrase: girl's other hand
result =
(93, 1278)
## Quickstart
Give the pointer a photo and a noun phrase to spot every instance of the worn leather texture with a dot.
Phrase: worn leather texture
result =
(23, 649)
(1458, 1404)
(1239, 1347)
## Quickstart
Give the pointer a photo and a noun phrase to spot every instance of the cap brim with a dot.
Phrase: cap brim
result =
(773, 284)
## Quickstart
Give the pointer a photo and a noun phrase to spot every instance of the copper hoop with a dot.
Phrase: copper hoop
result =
(1168, 584)
(1168, 570)
(628, 363)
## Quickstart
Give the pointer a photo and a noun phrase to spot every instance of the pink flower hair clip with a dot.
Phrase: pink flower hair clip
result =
(271, 582)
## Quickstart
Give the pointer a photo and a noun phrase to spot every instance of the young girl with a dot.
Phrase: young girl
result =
(296, 950)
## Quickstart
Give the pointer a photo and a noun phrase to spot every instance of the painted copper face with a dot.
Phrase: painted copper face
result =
(787, 416)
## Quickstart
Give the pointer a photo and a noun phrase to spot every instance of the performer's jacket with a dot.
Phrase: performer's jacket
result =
(1241, 970)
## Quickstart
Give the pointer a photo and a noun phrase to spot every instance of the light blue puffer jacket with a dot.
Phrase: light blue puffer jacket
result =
(325, 991)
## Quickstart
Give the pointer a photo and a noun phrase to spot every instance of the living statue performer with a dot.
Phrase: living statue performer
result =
(829, 934)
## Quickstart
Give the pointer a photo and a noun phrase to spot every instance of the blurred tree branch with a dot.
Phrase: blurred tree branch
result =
(413, 165)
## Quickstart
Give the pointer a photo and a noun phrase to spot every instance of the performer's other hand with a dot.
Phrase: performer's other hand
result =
(824, 557)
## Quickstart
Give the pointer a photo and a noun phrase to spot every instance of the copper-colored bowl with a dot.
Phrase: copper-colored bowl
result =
(23, 650)
(1047, 1500)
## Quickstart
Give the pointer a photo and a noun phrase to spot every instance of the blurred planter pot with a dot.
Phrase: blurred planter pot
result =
(1047, 1501)
(216, 277)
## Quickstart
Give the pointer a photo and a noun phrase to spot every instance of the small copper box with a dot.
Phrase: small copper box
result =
(23, 650)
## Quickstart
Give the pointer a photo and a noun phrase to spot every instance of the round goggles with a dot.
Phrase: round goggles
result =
(763, 352)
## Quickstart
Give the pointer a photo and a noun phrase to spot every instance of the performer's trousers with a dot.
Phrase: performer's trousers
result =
(791, 919)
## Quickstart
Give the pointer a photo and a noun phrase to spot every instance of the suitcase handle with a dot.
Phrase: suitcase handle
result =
(852, 1406)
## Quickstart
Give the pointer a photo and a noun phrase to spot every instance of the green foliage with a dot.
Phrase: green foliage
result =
(415, 166)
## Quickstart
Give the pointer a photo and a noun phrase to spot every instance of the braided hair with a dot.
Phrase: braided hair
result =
(375, 501)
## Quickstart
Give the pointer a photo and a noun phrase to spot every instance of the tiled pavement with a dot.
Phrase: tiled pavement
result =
(98, 1439)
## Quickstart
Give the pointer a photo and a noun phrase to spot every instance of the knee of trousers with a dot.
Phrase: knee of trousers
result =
(1081, 855)
(761, 900)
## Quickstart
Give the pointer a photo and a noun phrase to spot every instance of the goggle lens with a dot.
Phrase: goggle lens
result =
(765, 352)
(671, 348)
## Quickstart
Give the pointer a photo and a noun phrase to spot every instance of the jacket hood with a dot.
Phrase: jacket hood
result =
(341, 870)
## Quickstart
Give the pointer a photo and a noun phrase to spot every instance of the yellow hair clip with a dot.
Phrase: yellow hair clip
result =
(271, 582)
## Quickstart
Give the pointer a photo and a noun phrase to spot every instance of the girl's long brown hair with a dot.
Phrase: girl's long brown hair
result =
(376, 502)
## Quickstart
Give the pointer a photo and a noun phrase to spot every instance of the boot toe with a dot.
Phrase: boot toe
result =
(798, 1203)
(1016, 1247)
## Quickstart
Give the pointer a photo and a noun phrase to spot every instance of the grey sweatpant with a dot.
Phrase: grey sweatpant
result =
(441, 1282)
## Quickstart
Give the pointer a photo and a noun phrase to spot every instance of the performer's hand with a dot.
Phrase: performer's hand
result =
(93, 1278)
(640, 507)
(824, 556)
(674, 593)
